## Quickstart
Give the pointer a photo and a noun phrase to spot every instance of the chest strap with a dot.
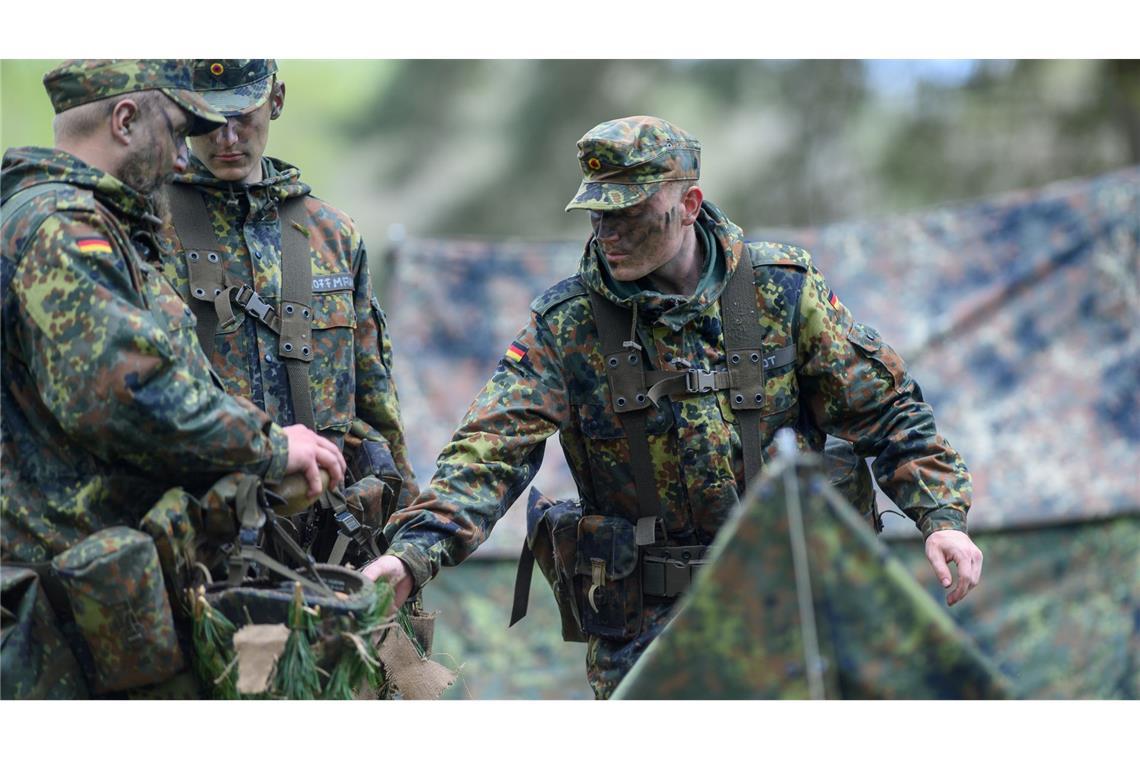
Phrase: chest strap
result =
(213, 292)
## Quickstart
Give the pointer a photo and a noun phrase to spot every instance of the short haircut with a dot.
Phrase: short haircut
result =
(83, 121)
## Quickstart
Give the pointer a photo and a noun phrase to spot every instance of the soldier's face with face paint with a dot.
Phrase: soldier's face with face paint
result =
(638, 240)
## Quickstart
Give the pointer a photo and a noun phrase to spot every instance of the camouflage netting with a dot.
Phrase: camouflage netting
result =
(1020, 318)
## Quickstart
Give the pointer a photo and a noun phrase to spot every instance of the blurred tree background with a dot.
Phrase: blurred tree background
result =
(486, 147)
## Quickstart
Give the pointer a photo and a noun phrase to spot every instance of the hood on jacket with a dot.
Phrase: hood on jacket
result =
(27, 167)
(279, 181)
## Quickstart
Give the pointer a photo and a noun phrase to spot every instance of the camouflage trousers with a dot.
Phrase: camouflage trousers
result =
(608, 661)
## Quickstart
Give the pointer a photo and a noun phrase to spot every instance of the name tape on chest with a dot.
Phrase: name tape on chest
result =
(331, 283)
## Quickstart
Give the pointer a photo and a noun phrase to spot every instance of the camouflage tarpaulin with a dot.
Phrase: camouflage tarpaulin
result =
(862, 629)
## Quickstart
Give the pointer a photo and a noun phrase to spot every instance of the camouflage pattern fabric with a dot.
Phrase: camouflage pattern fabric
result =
(115, 587)
(36, 661)
(107, 399)
(552, 379)
(625, 161)
(1058, 610)
(76, 82)
(351, 374)
(234, 86)
(863, 628)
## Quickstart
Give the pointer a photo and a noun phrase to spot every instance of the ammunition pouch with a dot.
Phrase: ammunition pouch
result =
(668, 571)
(114, 587)
(36, 661)
(551, 541)
(607, 577)
(851, 476)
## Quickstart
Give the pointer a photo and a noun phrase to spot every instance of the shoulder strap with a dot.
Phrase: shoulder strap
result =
(206, 271)
(295, 345)
(626, 373)
(740, 323)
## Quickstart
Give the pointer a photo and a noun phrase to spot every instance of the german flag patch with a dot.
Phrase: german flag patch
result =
(93, 245)
(516, 352)
(833, 299)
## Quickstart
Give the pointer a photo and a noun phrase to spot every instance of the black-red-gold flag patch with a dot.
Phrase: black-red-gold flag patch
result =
(516, 352)
(93, 245)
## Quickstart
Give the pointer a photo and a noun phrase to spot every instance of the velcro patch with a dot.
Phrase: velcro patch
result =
(516, 352)
(833, 299)
(329, 283)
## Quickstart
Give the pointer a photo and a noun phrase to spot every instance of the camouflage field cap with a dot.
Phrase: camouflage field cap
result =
(625, 161)
(79, 81)
(234, 86)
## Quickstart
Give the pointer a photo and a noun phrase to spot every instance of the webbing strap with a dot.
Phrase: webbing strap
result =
(295, 345)
(740, 325)
(206, 272)
(626, 373)
(522, 584)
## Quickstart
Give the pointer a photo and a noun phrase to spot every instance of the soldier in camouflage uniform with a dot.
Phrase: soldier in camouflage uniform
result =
(244, 196)
(107, 399)
(664, 257)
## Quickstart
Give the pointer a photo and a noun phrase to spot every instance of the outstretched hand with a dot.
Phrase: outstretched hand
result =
(393, 570)
(946, 546)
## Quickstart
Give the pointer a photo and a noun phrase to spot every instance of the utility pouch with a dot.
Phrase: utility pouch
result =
(607, 580)
(36, 661)
(851, 476)
(113, 582)
(551, 541)
(367, 453)
(171, 525)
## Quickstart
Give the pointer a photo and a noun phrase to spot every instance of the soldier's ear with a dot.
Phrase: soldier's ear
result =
(124, 118)
(691, 201)
(277, 100)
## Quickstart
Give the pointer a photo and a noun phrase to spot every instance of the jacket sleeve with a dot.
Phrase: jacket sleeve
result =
(377, 402)
(492, 457)
(110, 373)
(857, 388)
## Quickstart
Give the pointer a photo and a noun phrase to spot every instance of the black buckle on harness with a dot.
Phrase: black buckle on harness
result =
(254, 304)
(700, 381)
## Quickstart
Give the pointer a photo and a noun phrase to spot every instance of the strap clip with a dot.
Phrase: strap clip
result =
(253, 303)
(700, 381)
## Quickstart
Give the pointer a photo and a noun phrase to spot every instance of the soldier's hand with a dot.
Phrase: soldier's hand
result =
(393, 570)
(309, 453)
(946, 546)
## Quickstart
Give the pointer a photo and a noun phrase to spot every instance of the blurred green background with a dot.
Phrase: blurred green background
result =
(485, 148)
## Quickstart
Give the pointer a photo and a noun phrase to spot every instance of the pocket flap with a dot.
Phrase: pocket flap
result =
(609, 539)
(333, 310)
(865, 337)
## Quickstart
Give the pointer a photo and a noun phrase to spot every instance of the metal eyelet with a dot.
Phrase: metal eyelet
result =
(613, 361)
(641, 398)
(739, 399)
(288, 348)
(217, 291)
(755, 358)
(212, 257)
(633, 358)
(305, 313)
(621, 402)
(759, 398)
(193, 255)
(735, 359)
(199, 292)
(305, 350)
(288, 308)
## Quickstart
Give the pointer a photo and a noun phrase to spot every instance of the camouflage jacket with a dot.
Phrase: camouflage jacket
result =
(845, 381)
(107, 399)
(350, 376)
